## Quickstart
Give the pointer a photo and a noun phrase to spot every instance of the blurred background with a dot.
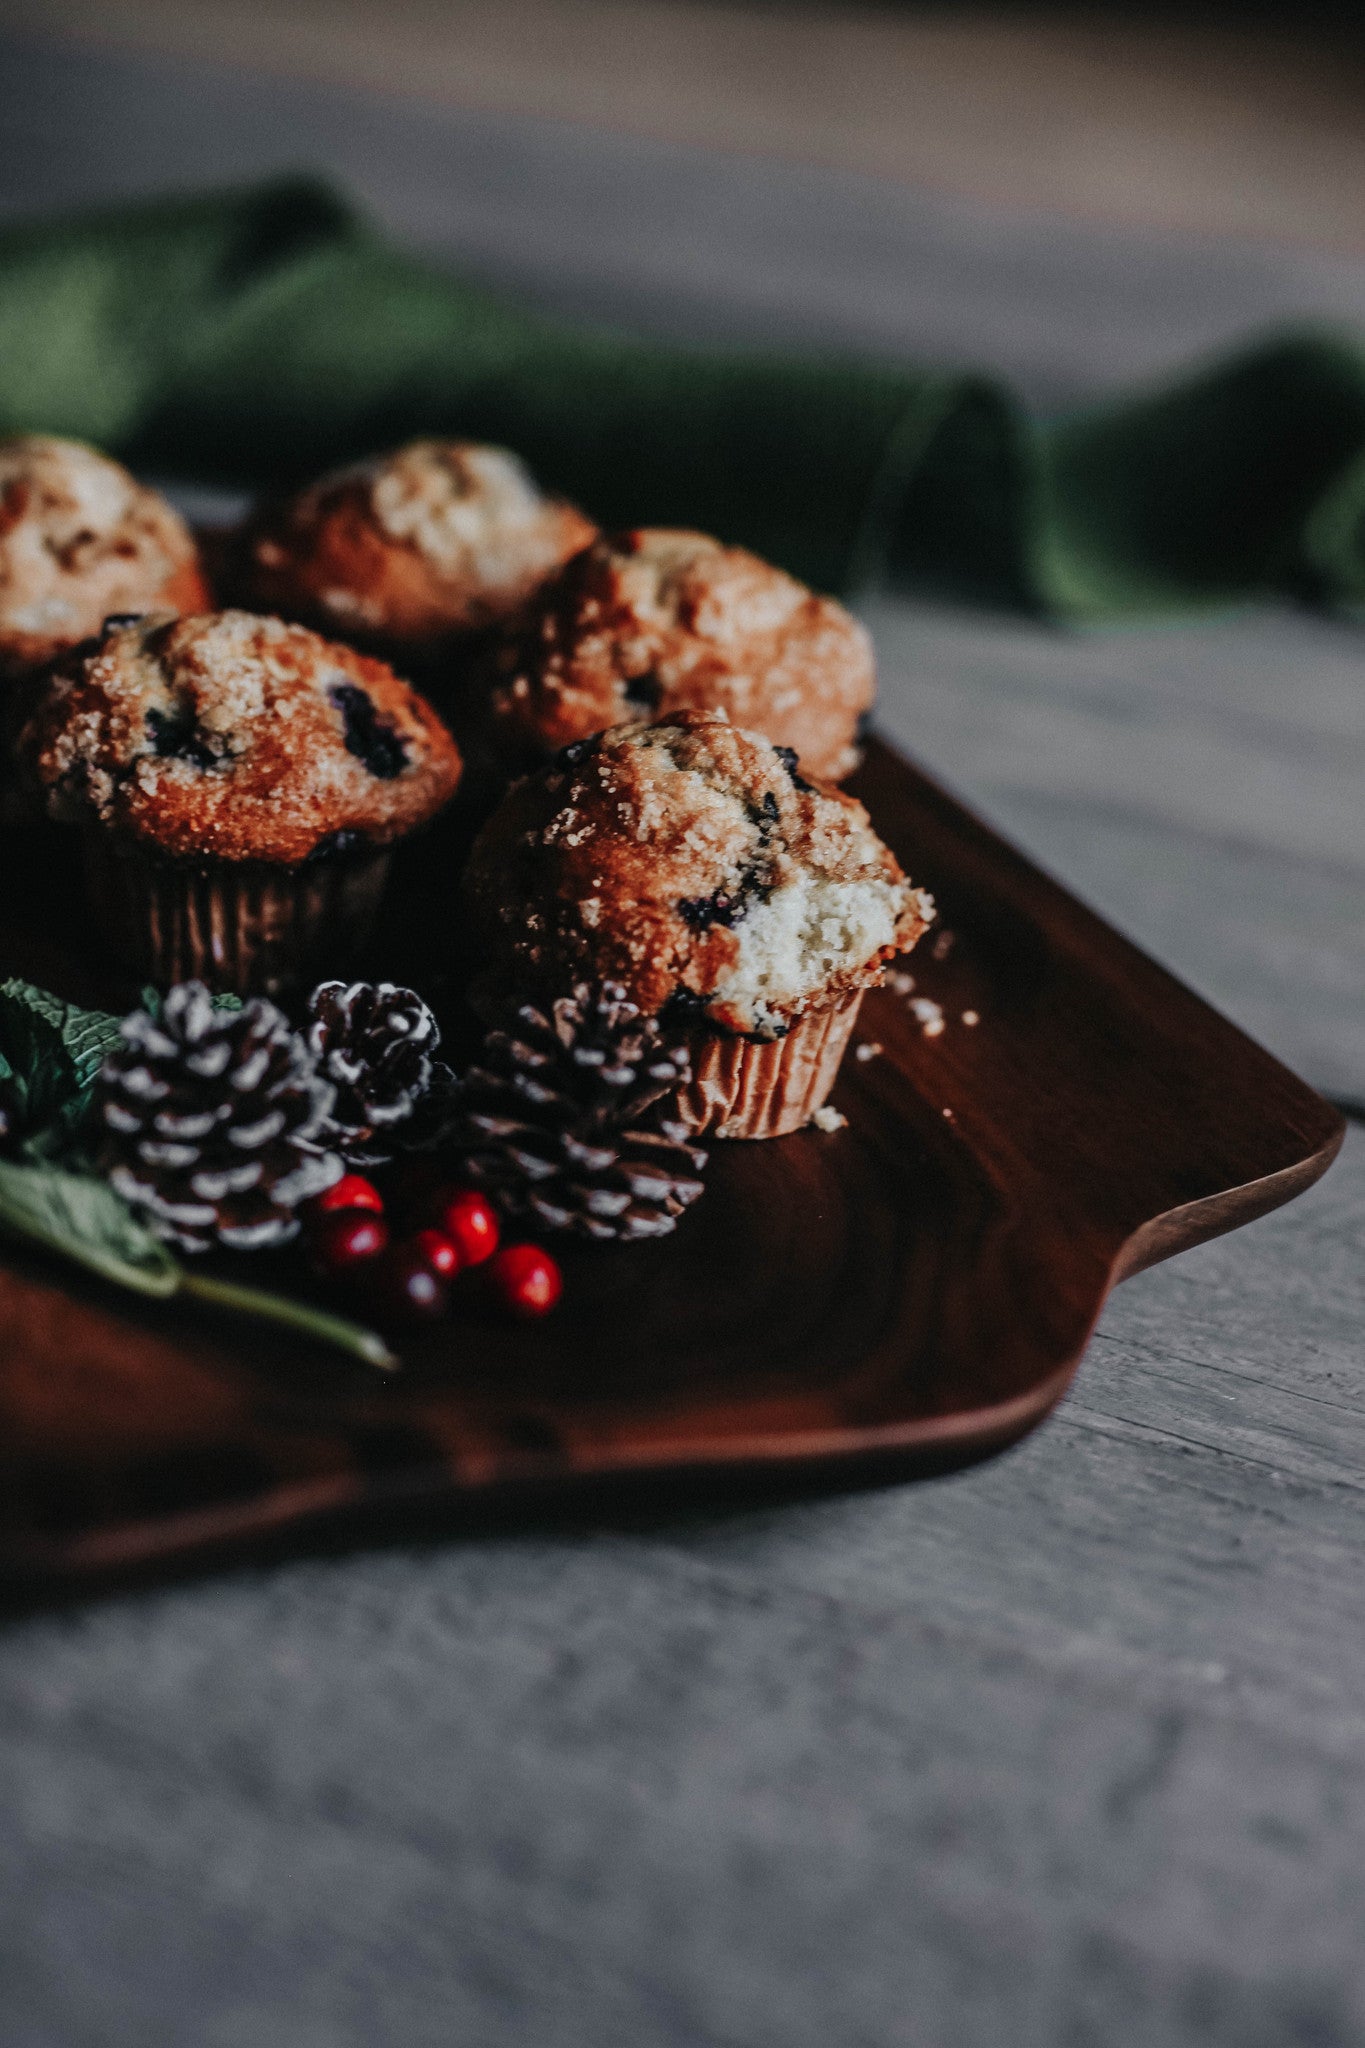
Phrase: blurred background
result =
(1070, 1750)
(1067, 196)
(1245, 119)
(1073, 199)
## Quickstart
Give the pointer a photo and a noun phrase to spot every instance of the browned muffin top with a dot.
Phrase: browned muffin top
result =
(436, 538)
(692, 862)
(648, 623)
(232, 737)
(80, 538)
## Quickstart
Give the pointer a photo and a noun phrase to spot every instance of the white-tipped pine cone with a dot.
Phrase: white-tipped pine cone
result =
(564, 1119)
(212, 1122)
(374, 1042)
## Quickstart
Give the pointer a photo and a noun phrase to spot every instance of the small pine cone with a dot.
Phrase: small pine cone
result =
(212, 1122)
(565, 1119)
(374, 1042)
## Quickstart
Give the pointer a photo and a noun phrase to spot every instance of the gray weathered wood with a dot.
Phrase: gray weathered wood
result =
(1200, 785)
(1069, 1749)
(625, 228)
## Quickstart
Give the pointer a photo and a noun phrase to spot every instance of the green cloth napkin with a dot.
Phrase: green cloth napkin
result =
(256, 337)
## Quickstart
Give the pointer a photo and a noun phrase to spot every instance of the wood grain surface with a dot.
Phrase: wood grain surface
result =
(1197, 781)
(1040, 1111)
(1066, 1748)
(1107, 113)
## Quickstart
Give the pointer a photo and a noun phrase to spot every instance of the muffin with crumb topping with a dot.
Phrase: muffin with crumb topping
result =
(646, 624)
(80, 539)
(695, 865)
(411, 549)
(239, 783)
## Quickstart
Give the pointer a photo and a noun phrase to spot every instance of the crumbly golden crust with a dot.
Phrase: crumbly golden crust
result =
(437, 538)
(81, 539)
(232, 737)
(692, 862)
(646, 624)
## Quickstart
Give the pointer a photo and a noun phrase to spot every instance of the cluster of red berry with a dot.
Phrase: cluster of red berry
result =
(409, 1277)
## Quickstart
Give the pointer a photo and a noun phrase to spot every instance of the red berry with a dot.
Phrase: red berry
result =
(470, 1221)
(348, 1240)
(441, 1253)
(407, 1287)
(352, 1191)
(526, 1279)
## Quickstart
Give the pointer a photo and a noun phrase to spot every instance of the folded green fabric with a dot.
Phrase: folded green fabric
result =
(258, 337)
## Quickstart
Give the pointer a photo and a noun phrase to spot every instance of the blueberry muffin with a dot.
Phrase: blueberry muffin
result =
(411, 549)
(80, 539)
(646, 624)
(696, 865)
(239, 782)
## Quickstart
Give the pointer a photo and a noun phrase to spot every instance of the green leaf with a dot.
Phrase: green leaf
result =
(88, 1035)
(318, 1323)
(84, 1219)
(50, 1056)
(50, 1053)
(151, 998)
(81, 1217)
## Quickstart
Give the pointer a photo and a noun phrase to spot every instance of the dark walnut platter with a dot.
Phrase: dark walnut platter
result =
(910, 1292)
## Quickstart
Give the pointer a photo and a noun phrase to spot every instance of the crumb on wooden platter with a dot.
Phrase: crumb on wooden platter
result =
(928, 1015)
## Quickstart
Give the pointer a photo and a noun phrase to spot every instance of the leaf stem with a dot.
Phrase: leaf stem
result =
(364, 1344)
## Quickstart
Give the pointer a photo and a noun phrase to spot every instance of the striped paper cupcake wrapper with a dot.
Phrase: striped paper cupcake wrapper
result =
(747, 1088)
(244, 929)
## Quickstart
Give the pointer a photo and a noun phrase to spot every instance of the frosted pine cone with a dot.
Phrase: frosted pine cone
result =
(565, 1119)
(374, 1042)
(212, 1122)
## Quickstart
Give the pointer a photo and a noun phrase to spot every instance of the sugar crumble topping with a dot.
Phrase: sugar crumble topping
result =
(655, 622)
(235, 737)
(408, 547)
(692, 861)
(80, 538)
(454, 501)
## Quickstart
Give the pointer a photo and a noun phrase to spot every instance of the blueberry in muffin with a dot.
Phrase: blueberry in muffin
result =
(643, 625)
(697, 866)
(410, 549)
(239, 782)
(80, 539)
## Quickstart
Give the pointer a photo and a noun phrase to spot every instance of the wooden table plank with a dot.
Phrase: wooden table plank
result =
(1070, 1748)
(680, 240)
(1200, 785)
(1127, 117)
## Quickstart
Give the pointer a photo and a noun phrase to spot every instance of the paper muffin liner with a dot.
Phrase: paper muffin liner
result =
(748, 1088)
(244, 928)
